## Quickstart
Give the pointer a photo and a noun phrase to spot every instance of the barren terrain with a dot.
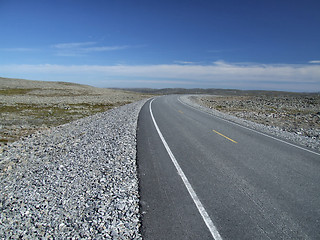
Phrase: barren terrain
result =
(28, 106)
(297, 113)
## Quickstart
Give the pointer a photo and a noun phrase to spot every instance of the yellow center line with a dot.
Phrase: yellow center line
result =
(224, 136)
(180, 111)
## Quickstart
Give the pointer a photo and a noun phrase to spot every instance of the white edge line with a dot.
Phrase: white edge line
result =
(229, 121)
(213, 230)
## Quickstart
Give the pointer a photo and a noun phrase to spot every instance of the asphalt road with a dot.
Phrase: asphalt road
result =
(244, 185)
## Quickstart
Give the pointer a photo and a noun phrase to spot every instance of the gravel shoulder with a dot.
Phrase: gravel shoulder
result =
(294, 118)
(78, 180)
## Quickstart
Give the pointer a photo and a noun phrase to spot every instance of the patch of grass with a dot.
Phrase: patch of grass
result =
(220, 107)
(8, 109)
(15, 91)
(32, 117)
(68, 84)
(2, 140)
(57, 93)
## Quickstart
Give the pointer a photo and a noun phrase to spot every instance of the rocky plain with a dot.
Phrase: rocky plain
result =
(295, 113)
(28, 106)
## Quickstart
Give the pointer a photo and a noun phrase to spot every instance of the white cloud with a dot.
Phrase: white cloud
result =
(72, 45)
(218, 75)
(184, 62)
(83, 48)
(103, 49)
(314, 61)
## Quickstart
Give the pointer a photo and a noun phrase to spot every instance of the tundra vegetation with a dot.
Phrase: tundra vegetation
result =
(28, 106)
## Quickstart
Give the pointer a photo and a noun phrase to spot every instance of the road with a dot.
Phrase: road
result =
(202, 177)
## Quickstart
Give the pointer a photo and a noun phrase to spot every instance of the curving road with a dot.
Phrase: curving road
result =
(202, 177)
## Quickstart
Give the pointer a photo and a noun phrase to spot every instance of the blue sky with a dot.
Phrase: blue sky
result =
(131, 43)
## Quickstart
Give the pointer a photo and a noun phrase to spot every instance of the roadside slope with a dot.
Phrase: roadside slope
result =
(78, 180)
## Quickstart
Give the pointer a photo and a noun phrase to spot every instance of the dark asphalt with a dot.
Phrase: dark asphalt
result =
(257, 188)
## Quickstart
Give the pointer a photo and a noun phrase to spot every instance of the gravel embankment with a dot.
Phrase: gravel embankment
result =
(78, 180)
(311, 142)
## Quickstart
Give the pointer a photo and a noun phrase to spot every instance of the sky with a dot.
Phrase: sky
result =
(257, 44)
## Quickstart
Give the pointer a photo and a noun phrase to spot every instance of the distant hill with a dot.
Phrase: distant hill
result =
(212, 91)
